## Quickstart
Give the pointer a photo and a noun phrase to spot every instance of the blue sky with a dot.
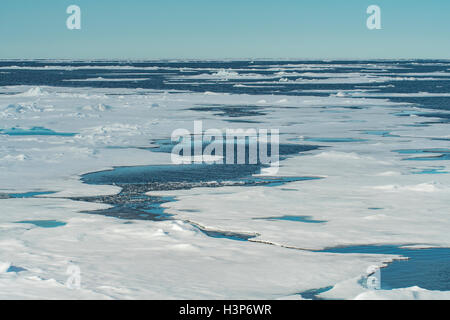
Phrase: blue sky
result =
(211, 29)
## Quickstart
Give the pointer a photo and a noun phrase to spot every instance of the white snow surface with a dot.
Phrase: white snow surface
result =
(173, 259)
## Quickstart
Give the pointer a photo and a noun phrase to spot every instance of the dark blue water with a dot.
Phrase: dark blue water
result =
(133, 203)
(282, 151)
(426, 268)
(164, 75)
(168, 177)
(233, 111)
(173, 177)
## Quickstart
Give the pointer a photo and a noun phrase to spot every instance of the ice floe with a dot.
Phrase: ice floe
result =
(116, 127)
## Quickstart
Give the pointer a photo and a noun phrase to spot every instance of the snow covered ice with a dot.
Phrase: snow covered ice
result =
(361, 118)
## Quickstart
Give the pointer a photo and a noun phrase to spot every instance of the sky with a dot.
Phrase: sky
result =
(231, 29)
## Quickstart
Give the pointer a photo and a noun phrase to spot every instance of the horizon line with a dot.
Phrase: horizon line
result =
(223, 59)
